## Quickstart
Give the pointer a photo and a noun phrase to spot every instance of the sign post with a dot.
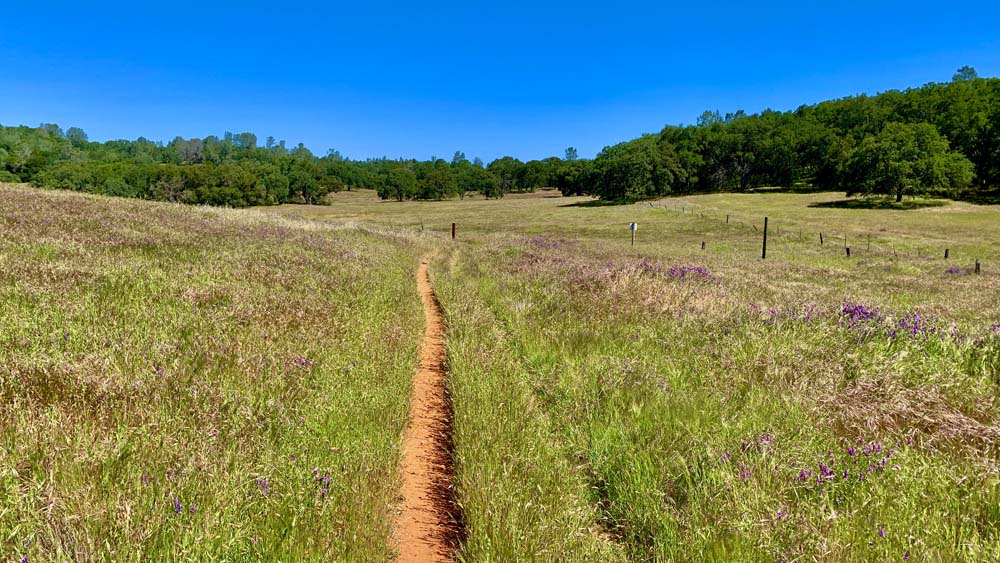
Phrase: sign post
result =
(633, 227)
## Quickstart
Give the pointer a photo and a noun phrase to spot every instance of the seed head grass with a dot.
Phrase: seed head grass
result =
(172, 375)
(661, 402)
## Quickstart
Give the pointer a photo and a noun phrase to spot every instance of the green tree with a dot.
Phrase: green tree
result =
(400, 184)
(571, 154)
(474, 179)
(438, 183)
(506, 170)
(907, 159)
(76, 135)
(709, 118)
(964, 74)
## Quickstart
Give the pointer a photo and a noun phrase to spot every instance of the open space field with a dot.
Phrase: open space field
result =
(660, 402)
(200, 385)
(179, 383)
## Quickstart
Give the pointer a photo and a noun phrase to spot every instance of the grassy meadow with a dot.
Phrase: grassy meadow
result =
(195, 384)
(185, 383)
(660, 402)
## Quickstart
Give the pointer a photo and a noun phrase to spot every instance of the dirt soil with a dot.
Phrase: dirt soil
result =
(429, 525)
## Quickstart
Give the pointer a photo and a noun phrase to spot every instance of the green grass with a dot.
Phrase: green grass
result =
(688, 410)
(604, 409)
(155, 352)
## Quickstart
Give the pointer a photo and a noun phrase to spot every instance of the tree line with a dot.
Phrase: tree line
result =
(940, 139)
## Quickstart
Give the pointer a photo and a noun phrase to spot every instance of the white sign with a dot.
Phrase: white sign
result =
(633, 227)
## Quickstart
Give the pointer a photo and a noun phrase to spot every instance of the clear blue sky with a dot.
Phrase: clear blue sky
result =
(417, 79)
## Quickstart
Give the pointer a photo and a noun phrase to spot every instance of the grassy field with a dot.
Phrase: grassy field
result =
(612, 402)
(661, 402)
(183, 384)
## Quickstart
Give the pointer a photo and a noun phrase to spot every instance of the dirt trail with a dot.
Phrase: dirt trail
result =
(429, 526)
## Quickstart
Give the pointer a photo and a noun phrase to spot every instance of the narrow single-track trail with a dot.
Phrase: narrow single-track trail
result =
(429, 526)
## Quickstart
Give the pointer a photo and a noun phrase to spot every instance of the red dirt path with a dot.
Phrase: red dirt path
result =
(429, 528)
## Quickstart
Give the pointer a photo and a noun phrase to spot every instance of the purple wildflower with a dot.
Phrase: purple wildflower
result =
(178, 507)
(684, 272)
(300, 361)
(825, 473)
(854, 315)
(647, 266)
(881, 532)
(906, 556)
(265, 489)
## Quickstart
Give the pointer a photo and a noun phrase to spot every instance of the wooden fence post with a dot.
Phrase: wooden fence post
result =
(763, 250)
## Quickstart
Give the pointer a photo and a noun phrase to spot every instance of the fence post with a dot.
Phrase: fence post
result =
(763, 250)
(453, 231)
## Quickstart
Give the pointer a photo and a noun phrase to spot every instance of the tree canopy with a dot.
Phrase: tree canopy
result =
(908, 159)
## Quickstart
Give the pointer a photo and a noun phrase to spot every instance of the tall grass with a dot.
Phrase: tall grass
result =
(710, 427)
(189, 384)
(522, 497)
(656, 402)
(705, 405)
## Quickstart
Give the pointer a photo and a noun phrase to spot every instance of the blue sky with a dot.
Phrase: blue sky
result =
(415, 79)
